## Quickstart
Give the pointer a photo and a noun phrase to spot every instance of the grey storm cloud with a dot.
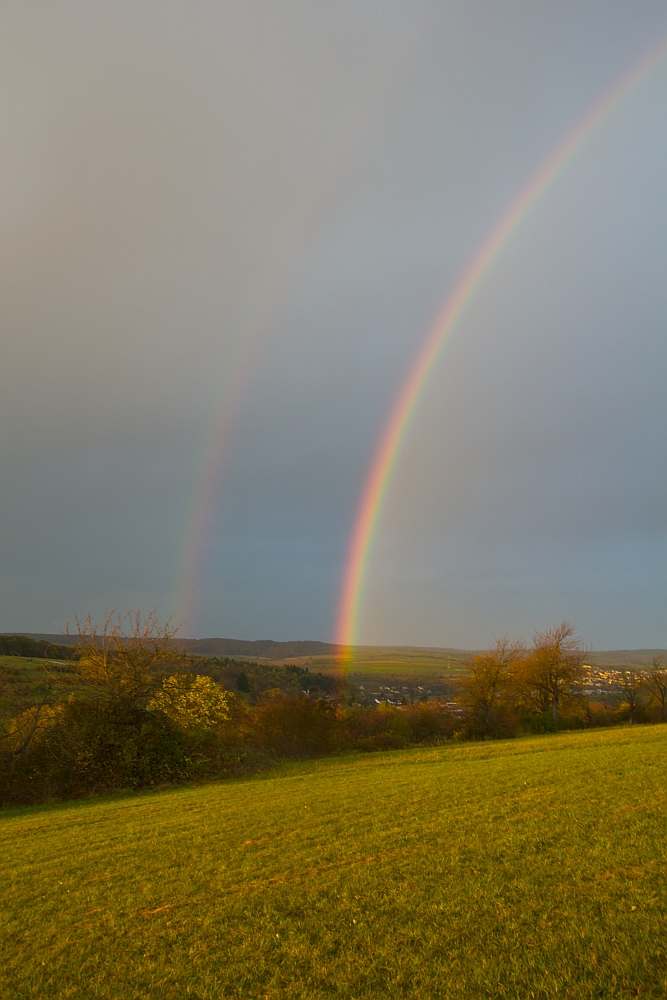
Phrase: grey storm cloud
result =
(225, 231)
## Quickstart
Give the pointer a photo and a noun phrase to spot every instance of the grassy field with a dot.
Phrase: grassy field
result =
(24, 680)
(531, 868)
(375, 665)
(29, 668)
(369, 660)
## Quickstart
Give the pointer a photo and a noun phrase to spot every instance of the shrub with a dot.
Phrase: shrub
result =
(91, 747)
(599, 714)
(540, 722)
(639, 714)
(431, 722)
(571, 722)
(294, 727)
(382, 728)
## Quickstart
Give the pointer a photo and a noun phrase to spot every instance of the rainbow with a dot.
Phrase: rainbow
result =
(317, 197)
(393, 436)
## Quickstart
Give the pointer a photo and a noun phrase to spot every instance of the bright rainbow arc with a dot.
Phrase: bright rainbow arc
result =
(391, 442)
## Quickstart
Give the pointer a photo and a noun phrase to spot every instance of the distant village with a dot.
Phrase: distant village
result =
(605, 682)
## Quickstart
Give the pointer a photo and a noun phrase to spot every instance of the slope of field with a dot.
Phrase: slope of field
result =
(532, 868)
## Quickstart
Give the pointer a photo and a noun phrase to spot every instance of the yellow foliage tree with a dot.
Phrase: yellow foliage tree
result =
(192, 701)
(29, 726)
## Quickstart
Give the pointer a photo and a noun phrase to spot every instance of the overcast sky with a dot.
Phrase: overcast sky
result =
(226, 229)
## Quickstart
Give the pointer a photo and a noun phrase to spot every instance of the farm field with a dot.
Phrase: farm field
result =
(375, 665)
(526, 868)
(383, 659)
(396, 665)
(24, 679)
(30, 668)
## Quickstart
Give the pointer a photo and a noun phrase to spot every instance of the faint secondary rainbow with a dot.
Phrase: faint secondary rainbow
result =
(393, 436)
(253, 331)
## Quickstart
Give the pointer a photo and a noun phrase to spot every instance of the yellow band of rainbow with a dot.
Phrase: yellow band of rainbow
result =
(393, 436)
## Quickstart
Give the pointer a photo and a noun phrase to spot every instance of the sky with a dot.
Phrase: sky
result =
(226, 230)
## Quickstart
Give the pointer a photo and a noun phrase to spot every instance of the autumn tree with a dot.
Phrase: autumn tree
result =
(26, 703)
(654, 681)
(18, 734)
(631, 685)
(552, 669)
(488, 678)
(124, 658)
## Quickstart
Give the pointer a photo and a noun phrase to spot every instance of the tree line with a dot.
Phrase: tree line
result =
(516, 686)
(512, 681)
(22, 645)
(132, 711)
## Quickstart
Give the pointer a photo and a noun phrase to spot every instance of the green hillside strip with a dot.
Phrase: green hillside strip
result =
(530, 868)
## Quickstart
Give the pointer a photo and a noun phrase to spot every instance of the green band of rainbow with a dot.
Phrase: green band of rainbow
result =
(385, 458)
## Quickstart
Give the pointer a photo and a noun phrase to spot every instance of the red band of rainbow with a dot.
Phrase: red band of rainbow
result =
(393, 436)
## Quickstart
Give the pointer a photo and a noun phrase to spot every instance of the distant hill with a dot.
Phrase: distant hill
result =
(58, 637)
(263, 648)
(268, 649)
(610, 657)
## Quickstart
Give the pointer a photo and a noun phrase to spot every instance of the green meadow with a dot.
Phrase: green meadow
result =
(29, 670)
(395, 665)
(530, 868)
(23, 679)
(402, 660)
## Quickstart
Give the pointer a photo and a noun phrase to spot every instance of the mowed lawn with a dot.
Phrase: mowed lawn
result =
(527, 868)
